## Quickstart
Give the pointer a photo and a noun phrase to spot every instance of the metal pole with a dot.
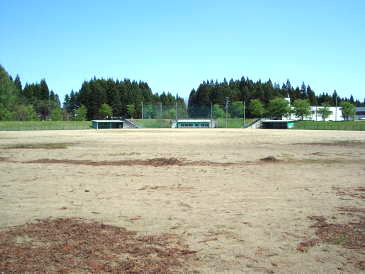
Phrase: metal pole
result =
(316, 111)
(176, 111)
(336, 109)
(142, 110)
(244, 114)
(49, 105)
(211, 114)
(226, 111)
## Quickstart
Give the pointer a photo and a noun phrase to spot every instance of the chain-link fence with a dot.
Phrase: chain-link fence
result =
(229, 115)
(180, 111)
(160, 111)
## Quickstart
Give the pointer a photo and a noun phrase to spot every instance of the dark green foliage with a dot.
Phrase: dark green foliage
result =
(43, 100)
(9, 95)
(18, 83)
(236, 109)
(210, 92)
(119, 95)
(243, 90)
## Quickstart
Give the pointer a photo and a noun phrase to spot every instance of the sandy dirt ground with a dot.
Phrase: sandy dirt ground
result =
(210, 187)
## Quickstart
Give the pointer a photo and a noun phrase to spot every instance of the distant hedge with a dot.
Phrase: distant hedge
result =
(43, 125)
(340, 125)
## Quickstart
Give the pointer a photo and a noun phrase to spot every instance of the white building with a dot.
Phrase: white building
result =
(336, 114)
(360, 113)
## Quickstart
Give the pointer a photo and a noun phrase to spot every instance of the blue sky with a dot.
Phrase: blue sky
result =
(175, 45)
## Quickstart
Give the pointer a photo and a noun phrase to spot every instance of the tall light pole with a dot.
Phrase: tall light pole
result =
(244, 114)
(142, 110)
(177, 97)
(211, 113)
(227, 101)
(336, 109)
(176, 112)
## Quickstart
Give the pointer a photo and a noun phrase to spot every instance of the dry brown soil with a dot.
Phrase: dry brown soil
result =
(234, 201)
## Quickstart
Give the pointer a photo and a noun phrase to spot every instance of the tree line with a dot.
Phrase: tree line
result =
(118, 98)
(257, 96)
(32, 102)
(101, 98)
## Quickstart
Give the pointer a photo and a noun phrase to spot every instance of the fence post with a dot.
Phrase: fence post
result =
(244, 114)
(176, 111)
(142, 110)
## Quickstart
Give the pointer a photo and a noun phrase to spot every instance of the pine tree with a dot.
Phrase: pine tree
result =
(9, 95)
(18, 84)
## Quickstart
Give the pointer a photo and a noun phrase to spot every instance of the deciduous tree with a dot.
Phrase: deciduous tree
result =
(131, 110)
(348, 110)
(324, 111)
(302, 108)
(57, 114)
(278, 107)
(105, 111)
(80, 113)
(256, 108)
(236, 109)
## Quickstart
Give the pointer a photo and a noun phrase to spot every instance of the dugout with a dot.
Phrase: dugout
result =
(190, 123)
(277, 124)
(100, 124)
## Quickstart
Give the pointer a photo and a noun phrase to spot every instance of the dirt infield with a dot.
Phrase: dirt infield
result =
(204, 200)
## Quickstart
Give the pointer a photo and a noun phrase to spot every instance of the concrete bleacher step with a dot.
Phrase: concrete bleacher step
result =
(130, 124)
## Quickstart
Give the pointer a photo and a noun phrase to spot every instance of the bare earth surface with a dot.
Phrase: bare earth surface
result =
(266, 201)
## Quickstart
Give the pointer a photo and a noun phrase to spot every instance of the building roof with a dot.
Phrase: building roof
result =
(277, 121)
(107, 121)
(194, 121)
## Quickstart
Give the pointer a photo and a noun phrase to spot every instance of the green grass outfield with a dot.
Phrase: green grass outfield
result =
(68, 125)
(166, 123)
(232, 122)
(153, 123)
(341, 125)
(44, 125)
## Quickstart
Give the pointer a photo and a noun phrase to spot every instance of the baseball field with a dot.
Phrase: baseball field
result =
(199, 200)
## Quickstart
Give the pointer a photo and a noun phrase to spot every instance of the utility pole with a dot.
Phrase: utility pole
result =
(176, 111)
(336, 109)
(177, 97)
(244, 114)
(227, 101)
(211, 111)
(316, 111)
(142, 110)
(49, 104)
(211, 114)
